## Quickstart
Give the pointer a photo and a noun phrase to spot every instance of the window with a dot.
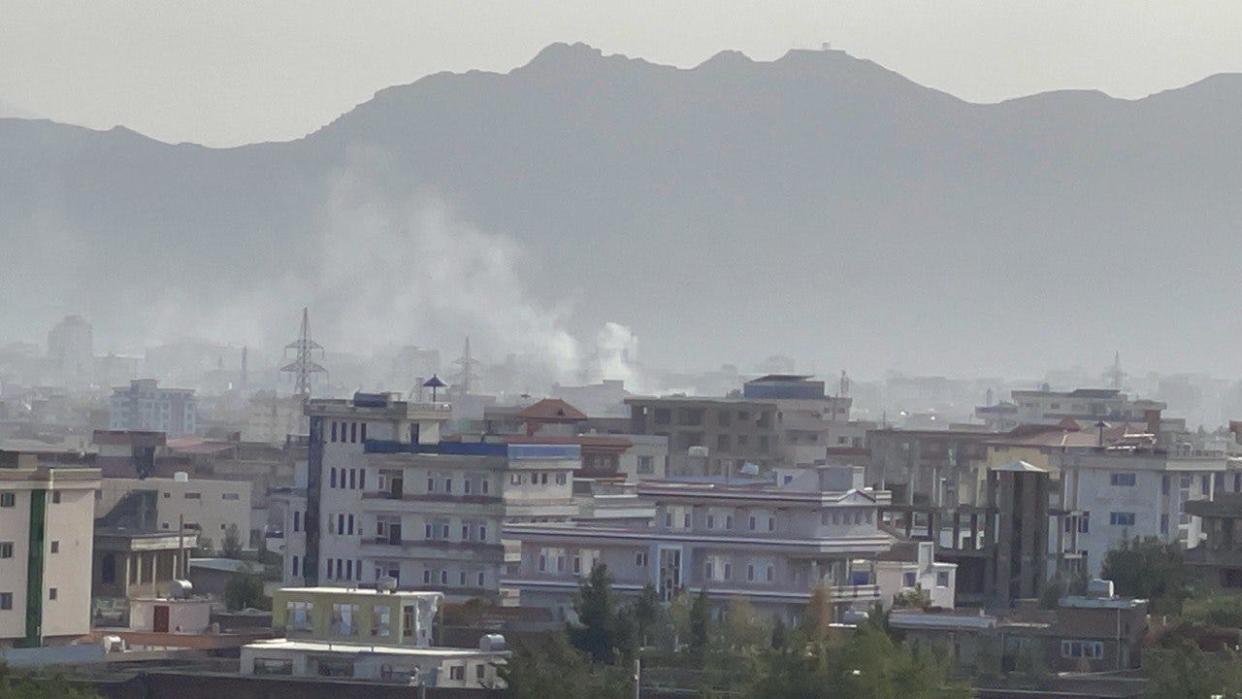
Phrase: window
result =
(6, 549)
(1082, 649)
(344, 619)
(465, 485)
(942, 579)
(426, 577)
(1121, 519)
(364, 432)
(431, 484)
(6, 600)
(362, 472)
(483, 486)
(448, 485)
(8, 499)
(1084, 524)
(381, 621)
(55, 497)
(51, 593)
(457, 672)
(298, 615)
(909, 579)
(480, 578)
(1205, 484)
(350, 528)
(230, 496)
(1122, 479)
(295, 565)
(482, 532)
(461, 578)
(297, 521)
(353, 479)
(332, 477)
(480, 671)
(640, 559)
(561, 479)
(353, 432)
(444, 577)
(1164, 485)
(515, 479)
(750, 572)
(1164, 523)
(646, 464)
(55, 547)
(193, 496)
(333, 431)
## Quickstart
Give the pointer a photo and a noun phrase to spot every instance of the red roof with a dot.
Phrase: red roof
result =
(552, 410)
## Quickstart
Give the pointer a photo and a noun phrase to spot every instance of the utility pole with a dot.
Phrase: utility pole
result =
(638, 678)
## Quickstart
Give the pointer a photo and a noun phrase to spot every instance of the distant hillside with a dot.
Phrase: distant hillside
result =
(817, 205)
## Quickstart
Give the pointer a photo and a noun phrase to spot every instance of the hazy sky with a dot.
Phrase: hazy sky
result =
(229, 72)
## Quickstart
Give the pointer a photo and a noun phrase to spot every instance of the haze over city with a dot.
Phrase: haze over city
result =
(525, 350)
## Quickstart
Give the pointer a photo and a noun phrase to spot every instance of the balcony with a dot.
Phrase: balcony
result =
(481, 551)
(433, 497)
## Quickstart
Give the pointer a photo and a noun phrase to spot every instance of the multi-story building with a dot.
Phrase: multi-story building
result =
(385, 498)
(366, 635)
(710, 436)
(774, 543)
(808, 419)
(71, 349)
(1112, 495)
(1046, 407)
(271, 418)
(146, 406)
(46, 542)
(209, 508)
(1219, 557)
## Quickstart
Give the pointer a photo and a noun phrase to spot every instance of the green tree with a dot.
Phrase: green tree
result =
(1183, 670)
(36, 685)
(700, 624)
(599, 632)
(744, 629)
(245, 591)
(547, 667)
(231, 547)
(647, 611)
(817, 619)
(866, 664)
(1149, 569)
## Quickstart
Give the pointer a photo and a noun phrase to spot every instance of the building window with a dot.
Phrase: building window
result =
(909, 579)
(297, 520)
(344, 619)
(6, 601)
(1082, 649)
(353, 479)
(942, 579)
(444, 577)
(640, 559)
(427, 577)
(332, 478)
(333, 430)
(561, 479)
(6, 549)
(461, 578)
(193, 496)
(295, 565)
(1122, 479)
(448, 485)
(51, 593)
(8, 500)
(55, 497)
(353, 432)
(1164, 523)
(1121, 519)
(480, 671)
(480, 579)
(483, 486)
(298, 615)
(230, 496)
(457, 672)
(646, 464)
(381, 621)
(465, 485)
(515, 479)
(1084, 523)
(55, 547)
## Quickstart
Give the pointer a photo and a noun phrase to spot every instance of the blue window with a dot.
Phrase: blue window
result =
(1123, 479)
(1121, 519)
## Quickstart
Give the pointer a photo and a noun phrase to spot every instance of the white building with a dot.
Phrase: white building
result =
(144, 406)
(1038, 407)
(46, 545)
(271, 418)
(1116, 495)
(774, 544)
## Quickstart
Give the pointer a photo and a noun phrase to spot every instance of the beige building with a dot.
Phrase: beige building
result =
(46, 528)
(207, 507)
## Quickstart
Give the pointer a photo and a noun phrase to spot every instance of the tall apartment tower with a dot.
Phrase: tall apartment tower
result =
(46, 542)
(71, 347)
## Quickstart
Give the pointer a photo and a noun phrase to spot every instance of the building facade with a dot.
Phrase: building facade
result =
(46, 542)
(146, 406)
(209, 508)
(710, 436)
(773, 543)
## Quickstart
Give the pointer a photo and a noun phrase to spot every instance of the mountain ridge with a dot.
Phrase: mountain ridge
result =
(844, 210)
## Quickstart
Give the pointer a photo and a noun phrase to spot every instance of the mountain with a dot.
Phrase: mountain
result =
(817, 205)
(10, 110)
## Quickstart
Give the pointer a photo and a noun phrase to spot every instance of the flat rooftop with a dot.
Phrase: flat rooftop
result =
(359, 591)
(284, 644)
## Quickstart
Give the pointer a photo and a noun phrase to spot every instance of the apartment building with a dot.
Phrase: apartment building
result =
(143, 405)
(809, 421)
(1111, 495)
(393, 501)
(206, 507)
(1046, 407)
(772, 542)
(375, 635)
(710, 436)
(46, 542)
